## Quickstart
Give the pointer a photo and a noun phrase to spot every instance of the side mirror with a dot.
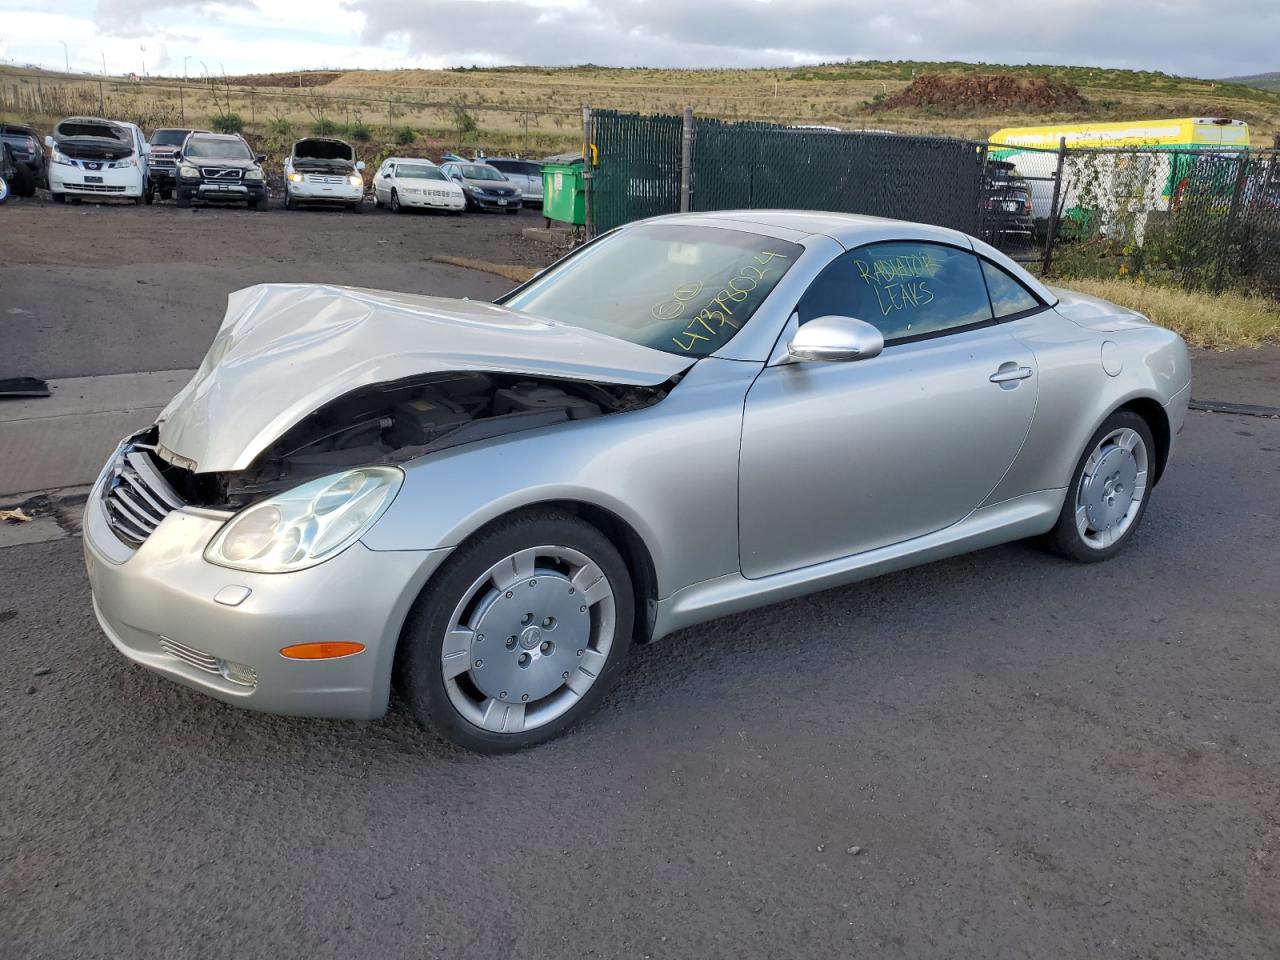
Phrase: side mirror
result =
(834, 338)
(262, 158)
(359, 164)
(48, 141)
(387, 175)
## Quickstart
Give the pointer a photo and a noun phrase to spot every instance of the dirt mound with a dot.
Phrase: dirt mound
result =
(970, 93)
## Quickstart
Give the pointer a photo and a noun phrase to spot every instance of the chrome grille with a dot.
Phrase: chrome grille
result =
(220, 173)
(136, 496)
(324, 178)
(191, 656)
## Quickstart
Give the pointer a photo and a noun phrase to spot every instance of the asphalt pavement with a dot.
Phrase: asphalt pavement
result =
(1000, 755)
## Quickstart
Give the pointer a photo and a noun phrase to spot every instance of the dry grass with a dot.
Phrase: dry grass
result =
(1222, 322)
(512, 272)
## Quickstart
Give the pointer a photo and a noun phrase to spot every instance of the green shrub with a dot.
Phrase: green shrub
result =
(405, 135)
(359, 131)
(227, 123)
(324, 127)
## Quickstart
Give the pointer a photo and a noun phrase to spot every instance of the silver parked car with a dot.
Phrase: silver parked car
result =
(525, 174)
(488, 504)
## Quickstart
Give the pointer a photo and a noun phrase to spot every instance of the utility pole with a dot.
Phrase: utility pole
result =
(102, 103)
(184, 65)
(66, 55)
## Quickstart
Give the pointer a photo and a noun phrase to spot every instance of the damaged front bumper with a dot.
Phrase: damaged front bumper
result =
(221, 631)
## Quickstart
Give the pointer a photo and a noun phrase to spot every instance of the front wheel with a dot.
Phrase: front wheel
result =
(520, 635)
(1109, 491)
(4, 190)
(395, 202)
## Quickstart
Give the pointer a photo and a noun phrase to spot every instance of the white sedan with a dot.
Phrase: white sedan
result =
(402, 182)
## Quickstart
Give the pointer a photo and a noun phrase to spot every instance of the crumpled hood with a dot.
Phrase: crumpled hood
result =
(285, 350)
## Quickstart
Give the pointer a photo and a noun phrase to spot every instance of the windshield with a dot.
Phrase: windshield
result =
(168, 138)
(91, 128)
(418, 172)
(218, 149)
(479, 171)
(686, 290)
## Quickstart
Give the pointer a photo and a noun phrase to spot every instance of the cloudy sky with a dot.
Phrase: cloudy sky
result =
(1208, 38)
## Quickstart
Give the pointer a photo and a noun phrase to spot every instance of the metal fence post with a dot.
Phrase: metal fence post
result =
(587, 172)
(1051, 231)
(1242, 174)
(983, 193)
(686, 160)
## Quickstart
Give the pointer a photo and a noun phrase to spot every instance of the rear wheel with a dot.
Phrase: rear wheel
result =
(520, 635)
(4, 189)
(1109, 491)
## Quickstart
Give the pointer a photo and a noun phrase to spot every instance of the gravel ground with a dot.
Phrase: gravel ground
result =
(1001, 755)
(92, 289)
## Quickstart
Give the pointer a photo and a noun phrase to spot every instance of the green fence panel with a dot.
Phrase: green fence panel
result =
(750, 165)
(638, 168)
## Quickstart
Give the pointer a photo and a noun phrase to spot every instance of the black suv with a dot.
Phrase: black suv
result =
(220, 168)
(1008, 217)
(28, 156)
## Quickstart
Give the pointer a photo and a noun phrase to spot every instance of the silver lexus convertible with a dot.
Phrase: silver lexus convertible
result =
(487, 504)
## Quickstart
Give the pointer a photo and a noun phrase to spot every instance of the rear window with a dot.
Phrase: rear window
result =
(168, 138)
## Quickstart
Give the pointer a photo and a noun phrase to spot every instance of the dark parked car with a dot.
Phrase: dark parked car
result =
(1008, 218)
(7, 171)
(166, 144)
(220, 168)
(484, 187)
(24, 144)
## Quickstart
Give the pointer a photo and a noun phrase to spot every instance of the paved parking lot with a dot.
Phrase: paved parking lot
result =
(1001, 755)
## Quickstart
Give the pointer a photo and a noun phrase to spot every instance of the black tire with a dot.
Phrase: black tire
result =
(165, 193)
(356, 207)
(420, 675)
(184, 199)
(58, 197)
(1065, 538)
(377, 202)
(5, 190)
(24, 181)
(513, 209)
(395, 202)
(252, 204)
(288, 200)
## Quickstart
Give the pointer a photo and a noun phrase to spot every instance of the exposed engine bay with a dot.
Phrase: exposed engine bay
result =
(88, 138)
(403, 420)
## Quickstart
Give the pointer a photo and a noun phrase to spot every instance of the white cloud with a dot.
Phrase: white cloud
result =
(1195, 37)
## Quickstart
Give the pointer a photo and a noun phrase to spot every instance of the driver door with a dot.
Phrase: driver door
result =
(839, 458)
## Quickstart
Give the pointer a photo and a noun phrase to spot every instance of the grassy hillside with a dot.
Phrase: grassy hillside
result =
(1263, 81)
(536, 110)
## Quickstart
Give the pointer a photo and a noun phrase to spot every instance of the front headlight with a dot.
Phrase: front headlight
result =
(126, 162)
(356, 180)
(307, 525)
(295, 178)
(187, 170)
(252, 174)
(59, 157)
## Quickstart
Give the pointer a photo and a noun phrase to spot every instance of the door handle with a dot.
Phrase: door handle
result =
(1006, 374)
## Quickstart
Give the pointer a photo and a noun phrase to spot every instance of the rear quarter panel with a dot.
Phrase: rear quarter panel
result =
(1077, 393)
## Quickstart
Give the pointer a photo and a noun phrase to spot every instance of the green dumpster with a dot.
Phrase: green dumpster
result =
(564, 189)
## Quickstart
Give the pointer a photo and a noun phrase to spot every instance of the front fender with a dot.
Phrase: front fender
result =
(669, 471)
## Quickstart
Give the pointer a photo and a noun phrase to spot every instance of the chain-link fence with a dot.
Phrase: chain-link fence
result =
(1200, 219)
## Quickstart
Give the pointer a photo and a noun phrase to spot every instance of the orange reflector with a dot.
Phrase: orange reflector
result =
(325, 650)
